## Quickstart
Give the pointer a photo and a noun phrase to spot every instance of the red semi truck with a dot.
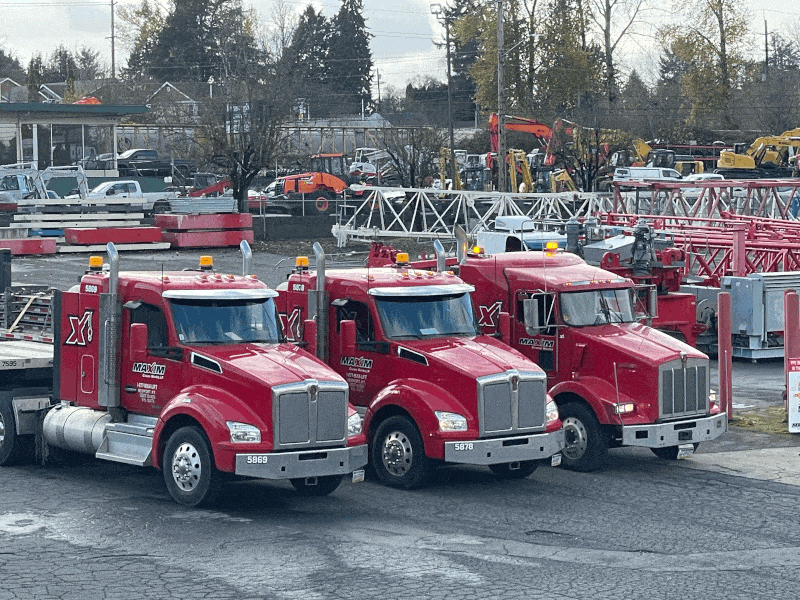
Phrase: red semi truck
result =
(183, 371)
(616, 381)
(431, 388)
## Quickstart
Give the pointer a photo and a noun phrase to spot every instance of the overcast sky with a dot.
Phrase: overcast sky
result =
(402, 47)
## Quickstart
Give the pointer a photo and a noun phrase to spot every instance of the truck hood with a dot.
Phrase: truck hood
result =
(267, 364)
(629, 342)
(470, 357)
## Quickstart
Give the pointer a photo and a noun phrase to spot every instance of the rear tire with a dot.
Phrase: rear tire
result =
(504, 470)
(324, 486)
(398, 454)
(12, 446)
(670, 452)
(586, 447)
(189, 471)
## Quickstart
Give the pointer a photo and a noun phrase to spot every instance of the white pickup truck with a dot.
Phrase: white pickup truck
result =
(129, 193)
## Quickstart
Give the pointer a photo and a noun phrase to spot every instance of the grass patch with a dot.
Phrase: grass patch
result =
(768, 420)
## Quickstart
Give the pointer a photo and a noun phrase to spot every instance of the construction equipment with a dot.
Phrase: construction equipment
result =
(23, 184)
(444, 158)
(766, 157)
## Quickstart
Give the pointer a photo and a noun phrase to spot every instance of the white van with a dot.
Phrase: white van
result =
(646, 174)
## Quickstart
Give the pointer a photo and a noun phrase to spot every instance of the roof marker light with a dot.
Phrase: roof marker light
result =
(95, 263)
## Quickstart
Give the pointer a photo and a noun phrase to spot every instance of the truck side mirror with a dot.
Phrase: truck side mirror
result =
(347, 338)
(652, 305)
(504, 327)
(310, 335)
(138, 342)
(530, 308)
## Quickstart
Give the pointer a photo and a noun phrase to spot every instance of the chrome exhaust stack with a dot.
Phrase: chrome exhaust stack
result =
(318, 302)
(441, 263)
(247, 258)
(109, 342)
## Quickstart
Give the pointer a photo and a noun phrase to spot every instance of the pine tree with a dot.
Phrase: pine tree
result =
(350, 61)
(305, 63)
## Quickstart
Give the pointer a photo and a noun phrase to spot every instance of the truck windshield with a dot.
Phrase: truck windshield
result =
(225, 321)
(426, 317)
(597, 307)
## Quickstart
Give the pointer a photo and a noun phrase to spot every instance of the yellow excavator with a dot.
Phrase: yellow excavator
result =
(444, 158)
(767, 157)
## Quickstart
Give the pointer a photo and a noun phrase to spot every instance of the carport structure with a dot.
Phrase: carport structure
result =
(59, 134)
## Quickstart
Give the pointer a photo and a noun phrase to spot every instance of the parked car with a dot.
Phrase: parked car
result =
(691, 194)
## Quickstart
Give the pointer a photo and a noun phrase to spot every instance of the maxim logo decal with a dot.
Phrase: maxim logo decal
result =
(150, 369)
(536, 342)
(82, 332)
(355, 361)
(489, 314)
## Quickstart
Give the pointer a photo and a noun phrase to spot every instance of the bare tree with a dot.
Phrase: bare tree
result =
(615, 20)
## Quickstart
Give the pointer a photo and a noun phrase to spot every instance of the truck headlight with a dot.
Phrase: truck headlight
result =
(552, 411)
(353, 424)
(243, 433)
(451, 421)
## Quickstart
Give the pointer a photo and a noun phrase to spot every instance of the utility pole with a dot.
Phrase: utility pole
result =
(501, 130)
(441, 13)
(113, 66)
(766, 51)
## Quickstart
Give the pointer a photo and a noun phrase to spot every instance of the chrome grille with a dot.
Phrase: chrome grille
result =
(683, 389)
(309, 414)
(512, 402)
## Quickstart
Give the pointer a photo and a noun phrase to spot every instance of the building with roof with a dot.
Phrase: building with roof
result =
(59, 134)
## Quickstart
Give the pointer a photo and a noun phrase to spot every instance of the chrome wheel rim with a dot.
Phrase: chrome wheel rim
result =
(575, 438)
(2, 430)
(186, 467)
(397, 454)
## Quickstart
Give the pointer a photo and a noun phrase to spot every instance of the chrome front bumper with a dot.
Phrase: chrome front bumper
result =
(675, 433)
(494, 451)
(306, 463)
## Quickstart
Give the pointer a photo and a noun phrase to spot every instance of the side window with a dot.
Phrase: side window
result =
(358, 312)
(131, 188)
(153, 317)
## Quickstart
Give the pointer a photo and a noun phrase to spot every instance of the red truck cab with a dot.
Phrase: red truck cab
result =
(430, 386)
(616, 381)
(187, 371)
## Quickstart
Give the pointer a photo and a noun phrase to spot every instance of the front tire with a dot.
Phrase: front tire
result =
(585, 447)
(12, 447)
(670, 452)
(398, 454)
(323, 486)
(523, 470)
(189, 471)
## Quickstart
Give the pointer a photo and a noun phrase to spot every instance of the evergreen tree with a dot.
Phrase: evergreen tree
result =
(35, 77)
(350, 61)
(11, 67)
(140, 26)
(198, 40)
(571, 79)
(305, 63)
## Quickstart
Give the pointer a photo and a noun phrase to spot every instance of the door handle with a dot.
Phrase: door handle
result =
(130, 389)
